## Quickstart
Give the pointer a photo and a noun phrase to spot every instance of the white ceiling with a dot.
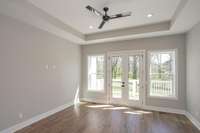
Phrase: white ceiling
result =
(74, 13)
(70, 20)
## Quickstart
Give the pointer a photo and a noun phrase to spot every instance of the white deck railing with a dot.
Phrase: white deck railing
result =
(157, 88)
(161, 88)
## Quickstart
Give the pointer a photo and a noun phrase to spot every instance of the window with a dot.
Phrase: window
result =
(96, 73)
(162, 74)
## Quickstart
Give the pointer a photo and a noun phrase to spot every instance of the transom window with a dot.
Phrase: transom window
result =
(162, 74)
(96, 73)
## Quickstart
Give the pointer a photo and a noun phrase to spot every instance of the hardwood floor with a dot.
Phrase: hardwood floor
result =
(98, 118)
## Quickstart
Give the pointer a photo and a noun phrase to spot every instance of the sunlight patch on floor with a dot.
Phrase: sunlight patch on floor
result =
(99, 106)
(132, 113)
(116, 108)
(137, 112)
(144, 112)
(126, 110)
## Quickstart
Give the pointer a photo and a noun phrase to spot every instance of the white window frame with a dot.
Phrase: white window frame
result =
(104, 66)
(175, 77)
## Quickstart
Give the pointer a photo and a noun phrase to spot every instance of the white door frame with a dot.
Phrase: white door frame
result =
(143, 83)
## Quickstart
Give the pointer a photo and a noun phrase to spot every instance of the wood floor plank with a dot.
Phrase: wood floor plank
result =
(98, 118)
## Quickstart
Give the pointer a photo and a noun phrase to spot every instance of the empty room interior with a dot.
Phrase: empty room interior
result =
(99, 66)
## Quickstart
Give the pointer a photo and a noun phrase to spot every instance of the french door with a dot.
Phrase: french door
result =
(125, 77)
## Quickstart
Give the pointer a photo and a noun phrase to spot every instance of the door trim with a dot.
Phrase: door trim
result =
(108, 71)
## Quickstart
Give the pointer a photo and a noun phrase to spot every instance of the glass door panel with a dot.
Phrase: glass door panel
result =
(116, 64)
(133, 77)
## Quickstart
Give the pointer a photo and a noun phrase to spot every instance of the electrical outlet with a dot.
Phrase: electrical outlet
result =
(21, 115)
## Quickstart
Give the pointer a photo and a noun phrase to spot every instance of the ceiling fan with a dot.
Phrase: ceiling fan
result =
(105, 15)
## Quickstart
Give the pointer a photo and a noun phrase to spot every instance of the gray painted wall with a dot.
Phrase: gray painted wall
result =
(193, 72)
(157, 43)
(26, 86)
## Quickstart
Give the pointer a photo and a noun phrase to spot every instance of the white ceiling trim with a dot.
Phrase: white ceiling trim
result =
(157, 27)
(28, 13)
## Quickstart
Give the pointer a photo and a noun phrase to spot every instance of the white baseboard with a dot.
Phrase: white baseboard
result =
(193, 120)
(164, 109)
(36, 119)
(101, 101)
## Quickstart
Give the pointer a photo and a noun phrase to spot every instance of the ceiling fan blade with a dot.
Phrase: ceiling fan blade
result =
(98, 13)
(102, 24)
(125, 14)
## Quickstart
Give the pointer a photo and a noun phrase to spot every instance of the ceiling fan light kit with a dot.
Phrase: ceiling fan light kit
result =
(105, 16)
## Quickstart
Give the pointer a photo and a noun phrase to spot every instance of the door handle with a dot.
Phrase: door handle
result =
(123, 84)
